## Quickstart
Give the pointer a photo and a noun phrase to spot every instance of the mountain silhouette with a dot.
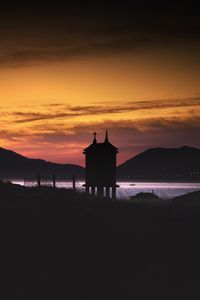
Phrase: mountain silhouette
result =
(153, 164)
(14, 165)
(162, 164)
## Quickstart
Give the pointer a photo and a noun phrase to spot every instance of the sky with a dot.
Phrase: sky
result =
(69, 69)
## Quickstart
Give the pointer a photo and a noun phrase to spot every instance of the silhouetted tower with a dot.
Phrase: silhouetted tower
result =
(100, 173)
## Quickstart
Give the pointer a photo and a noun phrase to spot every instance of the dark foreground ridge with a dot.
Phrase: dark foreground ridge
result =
(57, 244)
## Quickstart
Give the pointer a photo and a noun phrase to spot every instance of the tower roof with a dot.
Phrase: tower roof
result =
(105, 146)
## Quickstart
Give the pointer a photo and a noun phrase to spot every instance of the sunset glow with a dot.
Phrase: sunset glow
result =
(56, 91)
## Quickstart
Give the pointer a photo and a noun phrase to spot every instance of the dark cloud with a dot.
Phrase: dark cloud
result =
(127, 133)
(34, 31)
(60, 111)
(26, 117)
(138, 126)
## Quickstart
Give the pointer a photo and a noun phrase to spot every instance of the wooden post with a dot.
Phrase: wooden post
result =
(38, 180)
(87, 189)
(113, 192)
(74, 183)
(54, 180)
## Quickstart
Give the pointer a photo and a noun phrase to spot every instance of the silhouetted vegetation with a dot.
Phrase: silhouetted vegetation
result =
(150, 197)
(58, 244)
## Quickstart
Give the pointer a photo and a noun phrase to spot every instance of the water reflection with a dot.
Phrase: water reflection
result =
(165, 190)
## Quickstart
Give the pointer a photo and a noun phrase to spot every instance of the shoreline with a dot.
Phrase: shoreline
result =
(118, 181)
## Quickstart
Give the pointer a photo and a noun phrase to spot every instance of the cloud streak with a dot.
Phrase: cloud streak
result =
(60, 131)
(62, 111)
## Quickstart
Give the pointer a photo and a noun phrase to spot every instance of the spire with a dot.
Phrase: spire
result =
(95, 140)
(106, 137)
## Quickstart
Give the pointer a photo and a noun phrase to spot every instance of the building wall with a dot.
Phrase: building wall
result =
(101, 169)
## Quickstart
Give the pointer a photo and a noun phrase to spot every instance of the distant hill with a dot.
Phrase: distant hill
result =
(163, 164)
(153, 164)
(14, 165)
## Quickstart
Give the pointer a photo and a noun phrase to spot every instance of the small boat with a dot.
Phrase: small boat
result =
(132, 184)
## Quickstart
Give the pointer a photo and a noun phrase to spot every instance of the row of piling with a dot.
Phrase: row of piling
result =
(53, 180)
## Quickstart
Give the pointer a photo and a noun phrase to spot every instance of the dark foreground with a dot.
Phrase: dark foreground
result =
(59, 245)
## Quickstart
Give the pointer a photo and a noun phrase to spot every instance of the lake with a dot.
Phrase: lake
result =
(165, 190)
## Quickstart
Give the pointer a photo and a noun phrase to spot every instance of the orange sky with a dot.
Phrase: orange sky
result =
(49, 110)
(69, 68)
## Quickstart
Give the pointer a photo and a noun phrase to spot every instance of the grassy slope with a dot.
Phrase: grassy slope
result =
(55, 243)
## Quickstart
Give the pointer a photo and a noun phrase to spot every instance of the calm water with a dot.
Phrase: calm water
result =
(163, 189)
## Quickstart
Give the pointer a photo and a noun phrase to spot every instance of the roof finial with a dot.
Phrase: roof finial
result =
(95, 140)
(106, 137)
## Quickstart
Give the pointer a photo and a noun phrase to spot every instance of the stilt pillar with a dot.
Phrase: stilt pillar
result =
(100, 191)
(107, 192)
(93, 190)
